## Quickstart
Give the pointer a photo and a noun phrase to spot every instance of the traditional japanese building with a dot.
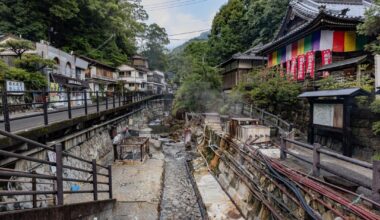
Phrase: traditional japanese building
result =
(236, 69)
(318, 38)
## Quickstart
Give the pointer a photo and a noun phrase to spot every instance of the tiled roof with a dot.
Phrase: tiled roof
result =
(312, 10)
(333, 93)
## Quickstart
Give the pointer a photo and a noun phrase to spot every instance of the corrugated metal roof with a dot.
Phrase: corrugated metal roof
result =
(344, 63)
(332, 93)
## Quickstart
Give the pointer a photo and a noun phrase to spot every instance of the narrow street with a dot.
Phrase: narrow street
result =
(178, 200)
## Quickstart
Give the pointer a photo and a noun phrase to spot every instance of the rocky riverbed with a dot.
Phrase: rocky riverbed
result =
(179, 200)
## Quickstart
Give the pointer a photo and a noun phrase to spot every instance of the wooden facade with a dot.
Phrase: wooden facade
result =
(236, 69)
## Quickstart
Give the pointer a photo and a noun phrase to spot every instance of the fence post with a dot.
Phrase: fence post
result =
(110, 180)
(69, 104)
(250, 112)
(119, 99)
(94, 180)
(45, 106)
(34, 189)
(262, 116)
(124, 98)
(7, 123)
(59, 164)
(85, 103)
(113, 100)
(376, 182)
(316, 160)
(97, 101)
(283, 154)
(106, 101)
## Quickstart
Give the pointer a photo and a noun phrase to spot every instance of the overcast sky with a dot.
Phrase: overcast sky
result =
(182, 16)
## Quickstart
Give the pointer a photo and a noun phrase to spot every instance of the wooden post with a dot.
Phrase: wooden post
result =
(283, 154)
(316, 160)
(347, 149)
(310, 133)
(376, 182)
(110, 181)
(34, 189)
(59, 164)
(94, 180)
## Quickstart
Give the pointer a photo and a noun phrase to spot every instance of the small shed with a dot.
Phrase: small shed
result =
(134, 149)
(330, 110)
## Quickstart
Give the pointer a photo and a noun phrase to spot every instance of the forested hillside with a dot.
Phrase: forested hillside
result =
(104, 30)
(239, 25)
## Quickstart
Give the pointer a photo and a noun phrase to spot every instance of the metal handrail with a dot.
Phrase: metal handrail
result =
(58, 177)
(111, 100)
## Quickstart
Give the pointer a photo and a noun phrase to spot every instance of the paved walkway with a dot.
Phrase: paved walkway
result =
(38, 120)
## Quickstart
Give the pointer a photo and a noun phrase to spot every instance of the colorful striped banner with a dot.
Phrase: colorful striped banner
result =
(336, 41)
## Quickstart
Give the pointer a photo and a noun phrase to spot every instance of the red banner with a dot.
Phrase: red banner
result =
(326, 59)
(301, 67)
(310, 63)
(293, 68)
(288, 66)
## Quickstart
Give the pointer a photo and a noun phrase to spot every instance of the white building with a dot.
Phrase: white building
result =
(133, 79)
(67, 76)
(156, 82)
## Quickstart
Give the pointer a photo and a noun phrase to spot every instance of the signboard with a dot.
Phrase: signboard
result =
(330, 115)
(301, 67)
(52, 158)
(15, 86)
(310, 63)
(326, 59)
(293, 68)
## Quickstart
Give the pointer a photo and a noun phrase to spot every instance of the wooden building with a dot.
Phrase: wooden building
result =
(236, 69)
(318, 38)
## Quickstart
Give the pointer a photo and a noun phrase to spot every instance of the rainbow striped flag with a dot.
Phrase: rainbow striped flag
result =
(336, 41)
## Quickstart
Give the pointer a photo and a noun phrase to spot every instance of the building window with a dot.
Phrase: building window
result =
(129, 74)
(141, 75)
(131, 85)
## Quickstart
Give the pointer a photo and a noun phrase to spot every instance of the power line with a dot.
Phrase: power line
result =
(166, 3)
(190, 32)
(175, 6)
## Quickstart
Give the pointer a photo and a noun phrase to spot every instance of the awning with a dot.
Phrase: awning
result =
(69, 82)
(335, 93)
(343, 64)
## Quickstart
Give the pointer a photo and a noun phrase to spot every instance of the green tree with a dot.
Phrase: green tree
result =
(371, 27)
(200, 84)
(19, 47)
(104, 30)
(241, 24)
(34, 63)
(32, 80)
(155, 40)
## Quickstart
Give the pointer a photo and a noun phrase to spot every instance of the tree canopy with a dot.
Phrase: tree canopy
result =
(155, 39)
(104, 30)
(241, 24)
